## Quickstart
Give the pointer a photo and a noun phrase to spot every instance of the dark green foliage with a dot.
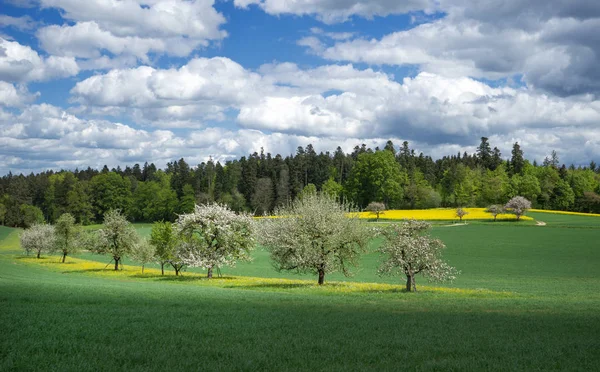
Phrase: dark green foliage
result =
(30, 215)
(376, 177)
(260, 182)
(187, 202)
(110, 191)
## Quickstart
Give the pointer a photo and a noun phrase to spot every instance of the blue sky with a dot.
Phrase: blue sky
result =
(124, 81)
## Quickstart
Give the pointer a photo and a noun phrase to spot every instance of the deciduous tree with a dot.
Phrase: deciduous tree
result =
(495, 210)
(67, 234)
(460, 213)
(518, 206)
(214, 236)
(164, 240)
(376, 208)
(38, 238)
(117, 237)
(315, 235)
(408, 250)
(143, 252)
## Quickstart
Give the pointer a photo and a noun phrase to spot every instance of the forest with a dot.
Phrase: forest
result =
(259, 183)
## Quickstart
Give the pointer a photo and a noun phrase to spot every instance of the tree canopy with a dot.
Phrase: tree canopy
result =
(408, 250)
(315, 235)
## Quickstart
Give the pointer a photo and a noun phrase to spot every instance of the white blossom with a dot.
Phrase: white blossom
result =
(38, 238)
(518, 206)
(213, 236)
(408, 251)
(315, 235)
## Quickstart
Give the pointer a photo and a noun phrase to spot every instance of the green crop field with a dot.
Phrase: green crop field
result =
(527, 299)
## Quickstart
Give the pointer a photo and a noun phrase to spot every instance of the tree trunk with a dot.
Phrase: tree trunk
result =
(210, 273)
(142, 269)
(414, 284)
(64, 257)
(117, 263)
(408, 283)
(321, 276)
(162, 268)
(38, 254)
(177, 268)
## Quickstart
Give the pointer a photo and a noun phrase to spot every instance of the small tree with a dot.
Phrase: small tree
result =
(117, 237)
(460, 213)
(409, 251)
(376, 208)
(67, 235)
(38, 238)
(518, 206)
(143, 252)
(213, 236)
(495, 210)
(315, 235)
(164, 241)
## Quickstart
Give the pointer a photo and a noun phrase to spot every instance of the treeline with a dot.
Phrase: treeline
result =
(398, 177)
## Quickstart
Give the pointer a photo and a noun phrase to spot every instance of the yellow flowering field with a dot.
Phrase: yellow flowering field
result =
(93, 268)
(440, 215)
(564, 212)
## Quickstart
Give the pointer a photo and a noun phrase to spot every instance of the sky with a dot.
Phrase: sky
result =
(119, 82)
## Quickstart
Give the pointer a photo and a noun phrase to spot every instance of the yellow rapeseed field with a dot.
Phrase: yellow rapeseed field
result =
(440, 215)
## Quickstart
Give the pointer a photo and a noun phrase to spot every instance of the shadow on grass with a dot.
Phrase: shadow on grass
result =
(181, 277)
(327, 287)
(84, 271)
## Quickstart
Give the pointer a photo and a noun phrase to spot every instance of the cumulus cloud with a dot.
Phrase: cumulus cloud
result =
(20, 63)
(189, 96)
(46, 137)
(15, 96)
(107, 30)
(428, 108)
(552, 45)
(331, 101)
(24, 23)
(333, 11)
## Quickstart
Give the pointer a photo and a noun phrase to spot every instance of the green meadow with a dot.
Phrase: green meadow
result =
(528, 298)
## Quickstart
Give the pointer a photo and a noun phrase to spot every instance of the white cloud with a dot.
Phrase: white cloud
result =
(24, 23)
(428, 108)
(330, 101)
(200, 91)
(20, 63)
(15, 96)
(156, 18)
(131, 28)
(333, 11)
(45, 137)
(553, 46)
(88, 40)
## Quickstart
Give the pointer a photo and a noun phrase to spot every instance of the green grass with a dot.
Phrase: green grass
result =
(565, 220)
(548, 320)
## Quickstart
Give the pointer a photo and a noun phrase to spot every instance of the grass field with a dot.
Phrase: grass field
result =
(527, 299)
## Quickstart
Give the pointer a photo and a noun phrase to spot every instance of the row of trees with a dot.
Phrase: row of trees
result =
(260, 183)
(314, 234)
